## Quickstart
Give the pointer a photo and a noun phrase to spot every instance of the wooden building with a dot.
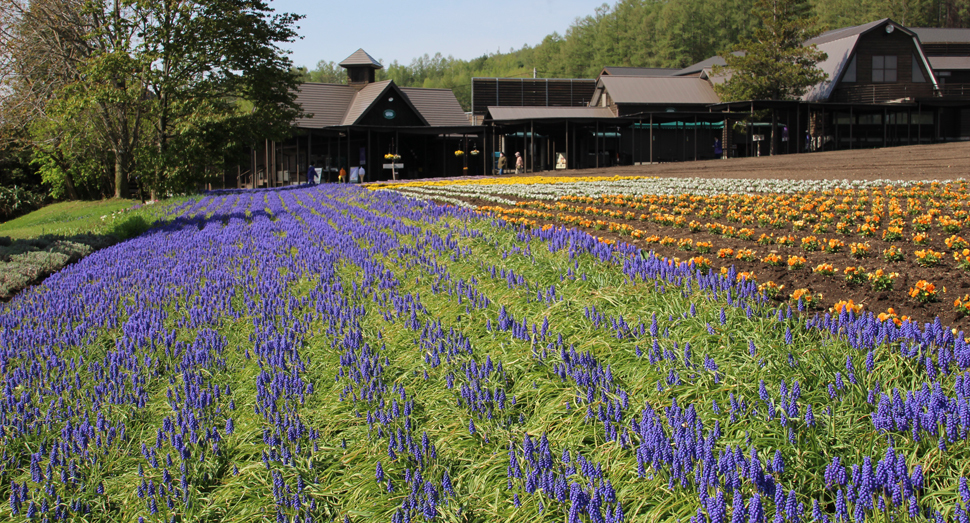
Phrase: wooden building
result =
(883, 89)
(354, 126)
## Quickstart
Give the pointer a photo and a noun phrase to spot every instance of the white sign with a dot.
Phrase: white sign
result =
(758, 137)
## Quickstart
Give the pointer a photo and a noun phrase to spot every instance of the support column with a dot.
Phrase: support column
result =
(695, 137)
(651, 138)
(885, 125)
(909, 126)
(851, 123)
(596, 141)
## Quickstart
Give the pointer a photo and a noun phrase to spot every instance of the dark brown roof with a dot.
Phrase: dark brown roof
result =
(658, 90)
(540, 113)
(360, 57)
(950, 63)
(326, 103)
(332, 105)
(363, 99)
(439, 107)
(637, 71)
(936, 35)
(845, 32)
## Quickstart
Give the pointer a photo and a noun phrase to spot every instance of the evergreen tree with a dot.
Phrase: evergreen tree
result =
(774, 64)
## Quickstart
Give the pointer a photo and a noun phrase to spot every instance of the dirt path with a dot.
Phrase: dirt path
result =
(916, 162)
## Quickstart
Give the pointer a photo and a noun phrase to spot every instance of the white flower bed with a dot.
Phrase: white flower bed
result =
(638, 187)
(467, 191)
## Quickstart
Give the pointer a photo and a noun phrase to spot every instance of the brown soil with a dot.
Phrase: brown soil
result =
(927, 162)
(915, 162)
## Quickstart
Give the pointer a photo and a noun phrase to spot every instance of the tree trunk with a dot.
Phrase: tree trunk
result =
(121, 177)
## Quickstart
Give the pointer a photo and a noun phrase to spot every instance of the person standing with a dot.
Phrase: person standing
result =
(342, 175)
(519, 163)
(311, 176)
(502, 163)
(718, 150)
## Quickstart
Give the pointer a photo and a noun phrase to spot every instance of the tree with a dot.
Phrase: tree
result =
(165, 91)
(774, 64)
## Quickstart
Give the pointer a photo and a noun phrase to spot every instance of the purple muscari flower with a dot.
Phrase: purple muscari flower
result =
(737, 508)
(917, 477)
(471, 426)
(756, 513)
(379, 472)
(809, 416)
(841, 510)
(778, 464)
(816, 511)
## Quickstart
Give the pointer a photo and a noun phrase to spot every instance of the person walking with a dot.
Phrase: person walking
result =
(519, 163)
(502, 163)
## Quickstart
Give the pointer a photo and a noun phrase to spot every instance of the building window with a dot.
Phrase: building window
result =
(883, 69)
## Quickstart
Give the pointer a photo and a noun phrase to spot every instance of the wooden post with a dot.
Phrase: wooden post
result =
(885, 125)
(798, 130)
(695, 137)
(568, 161)
(596, 141)
(835, 121)
(909, 126)
(851, 123)
(651, 138)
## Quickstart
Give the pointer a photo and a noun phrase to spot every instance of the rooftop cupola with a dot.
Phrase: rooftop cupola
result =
(360, 68)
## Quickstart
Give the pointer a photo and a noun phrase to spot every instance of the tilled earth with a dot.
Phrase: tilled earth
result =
(930, 162)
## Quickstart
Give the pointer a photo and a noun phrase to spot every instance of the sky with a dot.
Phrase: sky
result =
(395, 30)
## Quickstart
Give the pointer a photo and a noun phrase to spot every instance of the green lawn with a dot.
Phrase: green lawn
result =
(44, 241)
(66, 218)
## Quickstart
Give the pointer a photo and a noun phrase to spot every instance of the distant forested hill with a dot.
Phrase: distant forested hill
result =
(643, 33)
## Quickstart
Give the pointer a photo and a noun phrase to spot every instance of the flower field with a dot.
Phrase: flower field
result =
(333, 353)
(825, 239)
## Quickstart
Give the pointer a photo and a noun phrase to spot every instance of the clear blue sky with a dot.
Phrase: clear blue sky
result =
(395, 30)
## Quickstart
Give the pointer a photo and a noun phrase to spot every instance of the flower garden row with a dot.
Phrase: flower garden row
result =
(331, 353)
(831, 236)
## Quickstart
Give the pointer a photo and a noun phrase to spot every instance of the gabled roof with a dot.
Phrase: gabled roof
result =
(438, 107)
(703, 64)
(326, 103)
(359, 58)
(333, 105)
(656, 90)
(936, 35)
(950, 63)
(839, 46)
(506, 113)
(845, 32)
(366, 97)
(637, 71)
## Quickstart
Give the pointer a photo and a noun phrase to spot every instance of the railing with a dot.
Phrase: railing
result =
(879, 93)
(955, 91)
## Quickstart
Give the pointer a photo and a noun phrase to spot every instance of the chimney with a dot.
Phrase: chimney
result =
(361, 69)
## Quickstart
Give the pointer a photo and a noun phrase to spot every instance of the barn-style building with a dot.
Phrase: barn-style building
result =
(886, 85)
